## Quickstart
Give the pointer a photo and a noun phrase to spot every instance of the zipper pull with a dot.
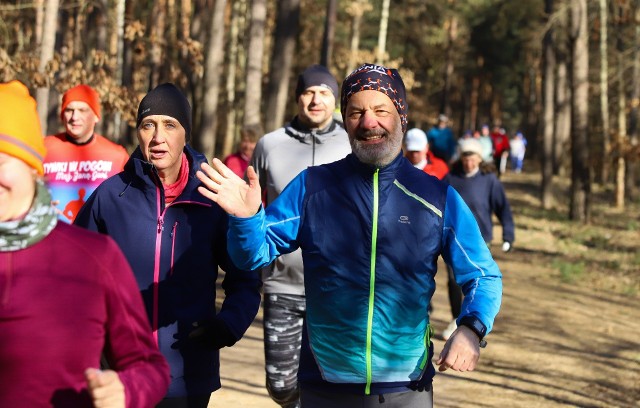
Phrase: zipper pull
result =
(160, 225)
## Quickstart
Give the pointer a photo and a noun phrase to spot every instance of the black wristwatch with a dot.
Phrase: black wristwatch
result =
(476, 326)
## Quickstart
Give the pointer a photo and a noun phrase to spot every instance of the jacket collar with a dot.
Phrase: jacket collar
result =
(298, 131)
(146, 173)
(367, 170)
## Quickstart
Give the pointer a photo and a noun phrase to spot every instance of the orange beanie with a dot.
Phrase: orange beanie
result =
(20, 132)
(82, 93)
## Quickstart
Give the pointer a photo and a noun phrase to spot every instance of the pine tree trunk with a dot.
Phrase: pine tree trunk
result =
(604, 93)
(158, 26)
(622, 131)
(329, 33)
(286, 30)
(206, 138)
(39, 5)
(232, 58)
(548, 115)
(581, 171)
(253, 95)
(562, 131)
(199, 30)
(452, 33)
(356, 10)
(46, 54)
(382, 34)
(473, 102)
(621, 140)
(634, 128)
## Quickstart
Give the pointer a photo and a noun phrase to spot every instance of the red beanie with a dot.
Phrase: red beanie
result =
(82, 93)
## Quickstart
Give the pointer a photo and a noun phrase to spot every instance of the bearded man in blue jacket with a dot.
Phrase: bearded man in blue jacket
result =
(371, 228)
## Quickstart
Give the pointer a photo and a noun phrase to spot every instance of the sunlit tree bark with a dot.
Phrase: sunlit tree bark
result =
(580, 170)
(230, 86)
(548, 114)
(562, 130)
(206, 139)
(604, 91)
(46, 54)
(253, 95)
(382, 34)
(286, 30)
(157, 27)
(356, 10)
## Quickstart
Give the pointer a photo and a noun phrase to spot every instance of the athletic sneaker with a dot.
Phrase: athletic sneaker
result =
(446, 333)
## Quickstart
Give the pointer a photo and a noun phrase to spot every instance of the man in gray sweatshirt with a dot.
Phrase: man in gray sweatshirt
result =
(312, 137)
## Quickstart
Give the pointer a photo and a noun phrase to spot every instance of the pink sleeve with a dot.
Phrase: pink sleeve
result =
(235, 164)
(130, 348)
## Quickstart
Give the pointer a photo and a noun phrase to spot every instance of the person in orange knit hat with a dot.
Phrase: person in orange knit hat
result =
(78, 159)
(20, 134)
(95, 291)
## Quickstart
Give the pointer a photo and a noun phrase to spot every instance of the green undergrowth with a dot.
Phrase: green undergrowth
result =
(603, 254)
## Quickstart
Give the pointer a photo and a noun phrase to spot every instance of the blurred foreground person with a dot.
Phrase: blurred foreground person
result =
(371, 228)
(67, 294)
(175, 240)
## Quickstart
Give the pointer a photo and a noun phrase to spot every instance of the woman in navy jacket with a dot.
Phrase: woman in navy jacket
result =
(175, 240)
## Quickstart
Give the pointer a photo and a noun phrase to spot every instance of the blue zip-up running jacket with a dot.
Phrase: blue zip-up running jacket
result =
(370, 240)
(175, 252)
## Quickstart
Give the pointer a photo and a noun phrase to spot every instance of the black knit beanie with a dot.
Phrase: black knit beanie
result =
(316, 75)
(168, 100)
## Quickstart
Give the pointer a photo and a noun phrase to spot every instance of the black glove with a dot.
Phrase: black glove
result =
(211, 334)
(423, 384)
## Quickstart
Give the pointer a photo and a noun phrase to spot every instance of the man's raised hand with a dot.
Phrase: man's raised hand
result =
(233, 194)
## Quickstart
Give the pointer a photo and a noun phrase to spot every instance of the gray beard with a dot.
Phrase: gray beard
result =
(378, 155)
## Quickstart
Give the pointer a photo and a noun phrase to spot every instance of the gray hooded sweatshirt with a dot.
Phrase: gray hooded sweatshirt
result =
(278, 157)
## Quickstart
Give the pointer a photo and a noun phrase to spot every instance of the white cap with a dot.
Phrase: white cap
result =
(471, 146)
(415, 140)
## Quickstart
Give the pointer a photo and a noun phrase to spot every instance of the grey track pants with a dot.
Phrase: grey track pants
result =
(283, 319)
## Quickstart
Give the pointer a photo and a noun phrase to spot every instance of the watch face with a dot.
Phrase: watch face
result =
(474, 324)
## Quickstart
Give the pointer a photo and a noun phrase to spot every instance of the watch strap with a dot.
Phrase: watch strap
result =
(475, 325)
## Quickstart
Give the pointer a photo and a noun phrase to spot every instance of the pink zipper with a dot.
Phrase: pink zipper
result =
(156, 265)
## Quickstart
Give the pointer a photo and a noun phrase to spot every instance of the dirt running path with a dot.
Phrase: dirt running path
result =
(554, 344)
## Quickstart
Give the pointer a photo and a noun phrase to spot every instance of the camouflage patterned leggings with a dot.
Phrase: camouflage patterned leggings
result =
(283, 318)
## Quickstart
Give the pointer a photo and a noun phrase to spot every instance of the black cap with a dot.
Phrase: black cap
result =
(168, 100)
(316, 75)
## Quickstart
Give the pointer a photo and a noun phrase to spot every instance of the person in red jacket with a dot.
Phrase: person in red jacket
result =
(239, 161)
(58, 318)
(500, 148)
(78, 159)
(416, 149)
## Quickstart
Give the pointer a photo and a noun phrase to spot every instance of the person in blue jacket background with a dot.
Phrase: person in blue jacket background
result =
(371, 228)
(478, 185)
(175, 240)
(441, 139)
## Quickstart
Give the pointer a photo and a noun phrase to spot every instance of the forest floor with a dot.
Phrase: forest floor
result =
(568, 332)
